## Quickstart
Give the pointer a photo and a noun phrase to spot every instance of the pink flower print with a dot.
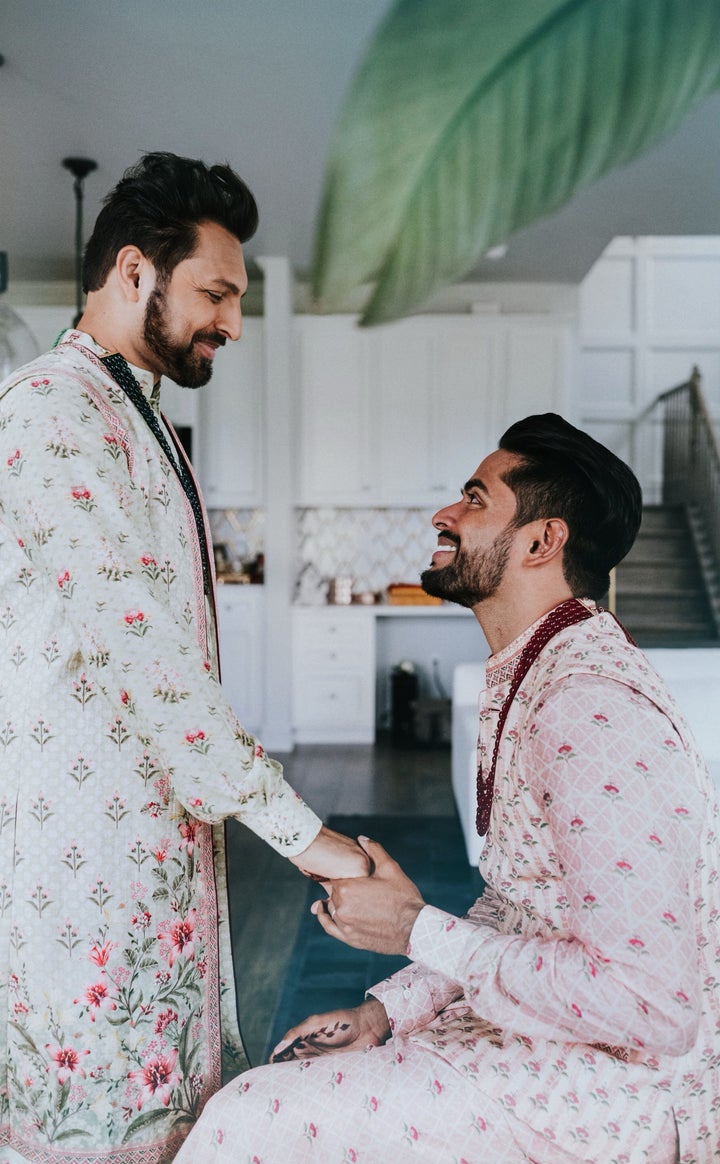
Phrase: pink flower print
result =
(612, 790)
(624, 867)
(63, 579)
(310, 1129)
(565, 752)
(637, 944)
(351, 1155)
(681, 811)
(181, 937)
(539, 962)
(100, 955)
(274, 1106)
(98, 998)
(642, 765)
(600, 719)
(160, 854)
(450, 924)
(577, 822)
(338, 1078)
(372, 1103)
(672, 744)
(148, 560)
(195, 802)
(67, 1061)
(135, 620)
(14, 457)
(164, 1020)
(259, 751)
(576, 1009)
(219, 1136)
(412, 1133)
(436, 1087)
(589, 901)
(187, 831)
(654, 839)
(141, 920)
(157, 1078)
(39, 383)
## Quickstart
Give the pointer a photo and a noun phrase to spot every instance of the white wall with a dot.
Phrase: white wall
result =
(649, 311)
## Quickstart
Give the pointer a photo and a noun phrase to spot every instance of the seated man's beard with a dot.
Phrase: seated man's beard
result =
(466, 580)
(179, 362)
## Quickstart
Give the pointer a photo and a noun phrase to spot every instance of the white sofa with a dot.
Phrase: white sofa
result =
(692, 674)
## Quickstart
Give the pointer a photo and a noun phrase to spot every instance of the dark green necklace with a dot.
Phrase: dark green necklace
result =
(121, 373)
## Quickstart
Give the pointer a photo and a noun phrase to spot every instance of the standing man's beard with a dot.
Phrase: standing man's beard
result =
(469, 581)
(178, 361)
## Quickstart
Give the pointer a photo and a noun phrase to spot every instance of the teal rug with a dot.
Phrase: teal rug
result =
(323, 974)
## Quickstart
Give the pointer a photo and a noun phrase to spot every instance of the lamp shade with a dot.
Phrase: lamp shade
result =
(17, 342)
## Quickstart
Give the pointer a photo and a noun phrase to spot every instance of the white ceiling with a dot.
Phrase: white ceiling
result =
(259, 83)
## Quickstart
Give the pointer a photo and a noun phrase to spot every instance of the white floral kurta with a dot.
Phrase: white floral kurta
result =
(574, 1014)
(119, 754)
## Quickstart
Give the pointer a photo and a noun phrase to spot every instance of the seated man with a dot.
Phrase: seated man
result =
(574, 1013)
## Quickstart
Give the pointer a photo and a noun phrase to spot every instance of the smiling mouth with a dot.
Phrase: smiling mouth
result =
(443, 549)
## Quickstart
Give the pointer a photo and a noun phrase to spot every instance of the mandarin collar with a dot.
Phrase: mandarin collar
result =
(149, 386)
(501, 666)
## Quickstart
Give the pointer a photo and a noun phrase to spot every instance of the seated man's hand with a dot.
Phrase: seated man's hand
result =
(375, 913)
(339, 1030)
(332, 855)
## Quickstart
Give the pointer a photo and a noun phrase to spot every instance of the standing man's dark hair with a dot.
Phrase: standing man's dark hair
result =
(565, 473)
(157, 206)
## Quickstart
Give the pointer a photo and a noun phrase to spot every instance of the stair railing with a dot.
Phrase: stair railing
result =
(691, 474)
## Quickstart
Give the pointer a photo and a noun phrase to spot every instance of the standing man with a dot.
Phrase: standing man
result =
(574, 1014)
(120, 752)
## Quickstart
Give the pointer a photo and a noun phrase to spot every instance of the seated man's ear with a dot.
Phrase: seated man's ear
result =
(547, 539)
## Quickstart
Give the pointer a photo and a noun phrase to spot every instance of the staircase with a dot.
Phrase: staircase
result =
(660, 593)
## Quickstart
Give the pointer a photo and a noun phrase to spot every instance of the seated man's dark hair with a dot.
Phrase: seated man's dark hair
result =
(565, 473)
(157, 206)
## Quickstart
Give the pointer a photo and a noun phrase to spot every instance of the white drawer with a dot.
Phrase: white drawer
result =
(323, 700)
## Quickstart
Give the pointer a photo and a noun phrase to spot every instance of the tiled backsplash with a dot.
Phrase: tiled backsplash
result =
(241, 530)
(374, 546)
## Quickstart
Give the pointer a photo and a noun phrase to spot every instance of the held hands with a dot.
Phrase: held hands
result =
(332, 855)
(339, 1030)
(373, 913)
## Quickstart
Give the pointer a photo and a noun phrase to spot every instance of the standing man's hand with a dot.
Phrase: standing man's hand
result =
(332, 855)
(375, 913)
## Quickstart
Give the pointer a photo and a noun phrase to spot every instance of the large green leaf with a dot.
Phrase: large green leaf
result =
(471, 118)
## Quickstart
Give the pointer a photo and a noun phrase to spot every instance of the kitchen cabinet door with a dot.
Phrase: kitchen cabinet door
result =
(402, 379)
(333, 411)
(230, 424)
(468, 356)
(240, 611)
(334, 675)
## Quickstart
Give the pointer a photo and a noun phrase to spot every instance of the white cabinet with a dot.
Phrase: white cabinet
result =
(402, 414)
(230, 424)
(333, 675)
(240, 613)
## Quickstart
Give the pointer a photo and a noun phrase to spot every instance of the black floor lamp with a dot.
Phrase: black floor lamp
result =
(79, 168)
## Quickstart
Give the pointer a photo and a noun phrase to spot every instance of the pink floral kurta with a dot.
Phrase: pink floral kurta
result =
(574, 1014)
(119, 754)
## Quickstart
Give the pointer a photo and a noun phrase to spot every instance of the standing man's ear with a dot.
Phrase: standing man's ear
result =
(132, 268)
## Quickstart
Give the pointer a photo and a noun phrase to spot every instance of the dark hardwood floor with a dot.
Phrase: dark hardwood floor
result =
(267, 894)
